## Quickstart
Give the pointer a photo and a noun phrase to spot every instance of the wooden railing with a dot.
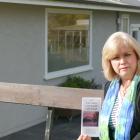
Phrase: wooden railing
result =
(47, 96)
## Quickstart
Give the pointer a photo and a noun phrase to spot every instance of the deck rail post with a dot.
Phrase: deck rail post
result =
(49, 123)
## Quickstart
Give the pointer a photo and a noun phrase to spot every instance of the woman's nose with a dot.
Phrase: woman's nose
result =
(122, 60)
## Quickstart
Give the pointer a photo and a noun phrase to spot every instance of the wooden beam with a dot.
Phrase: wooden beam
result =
(49, 96)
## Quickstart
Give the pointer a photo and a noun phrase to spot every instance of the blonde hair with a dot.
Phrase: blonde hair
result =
(111, 47)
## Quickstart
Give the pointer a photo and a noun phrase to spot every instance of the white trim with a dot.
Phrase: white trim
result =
(125, 16)
(66, 72)
(91, 40)
(134, 27)
(74, 5)
(71, 11)
(46, 43)
(60, 73)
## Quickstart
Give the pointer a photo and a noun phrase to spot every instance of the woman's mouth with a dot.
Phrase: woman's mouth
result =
(124, 68)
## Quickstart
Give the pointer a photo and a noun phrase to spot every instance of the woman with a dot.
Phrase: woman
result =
(120, 115)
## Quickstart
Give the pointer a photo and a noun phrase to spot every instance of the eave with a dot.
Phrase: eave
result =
(77, 5)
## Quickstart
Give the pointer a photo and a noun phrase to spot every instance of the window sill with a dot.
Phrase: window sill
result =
(57, 74)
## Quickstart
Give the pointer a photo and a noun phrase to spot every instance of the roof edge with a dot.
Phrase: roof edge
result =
(68, 4)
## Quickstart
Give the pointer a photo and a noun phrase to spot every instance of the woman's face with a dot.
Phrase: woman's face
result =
(124, 63)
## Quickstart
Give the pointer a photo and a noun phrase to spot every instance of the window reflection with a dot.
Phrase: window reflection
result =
(68, 41)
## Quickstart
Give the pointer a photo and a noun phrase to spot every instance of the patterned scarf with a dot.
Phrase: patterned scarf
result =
(125, 118)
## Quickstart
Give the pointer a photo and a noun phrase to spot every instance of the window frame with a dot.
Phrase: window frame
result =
(134, 27)
(123, 16)
(69, 71)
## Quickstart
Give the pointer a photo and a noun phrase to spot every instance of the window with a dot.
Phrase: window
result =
(135, 31)
(68, 42)
(125, 23)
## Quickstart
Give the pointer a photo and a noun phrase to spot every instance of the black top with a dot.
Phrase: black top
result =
(135, 129)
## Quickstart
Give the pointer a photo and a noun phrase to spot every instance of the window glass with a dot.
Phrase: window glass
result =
(125, 25)
(68, 40)
(135, 32)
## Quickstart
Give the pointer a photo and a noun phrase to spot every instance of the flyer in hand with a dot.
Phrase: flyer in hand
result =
(91, 107)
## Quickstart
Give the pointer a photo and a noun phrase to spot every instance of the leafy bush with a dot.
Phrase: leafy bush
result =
(79, 82)
(75, 82)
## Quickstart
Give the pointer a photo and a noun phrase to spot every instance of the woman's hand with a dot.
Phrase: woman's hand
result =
(84, 137)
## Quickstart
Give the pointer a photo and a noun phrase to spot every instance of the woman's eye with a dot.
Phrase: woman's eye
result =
(115, 58)
(128, 54)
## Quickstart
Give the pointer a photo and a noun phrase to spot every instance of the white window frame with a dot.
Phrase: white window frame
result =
(127, 17)
(69, 71)
(134, 27)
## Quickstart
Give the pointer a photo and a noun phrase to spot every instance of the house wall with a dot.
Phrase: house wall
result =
(104, 24)
(134, 18)
(22, 44)
(21, 61)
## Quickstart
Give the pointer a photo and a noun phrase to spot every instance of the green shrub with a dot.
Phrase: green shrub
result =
(79, 82)
(74, 82)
